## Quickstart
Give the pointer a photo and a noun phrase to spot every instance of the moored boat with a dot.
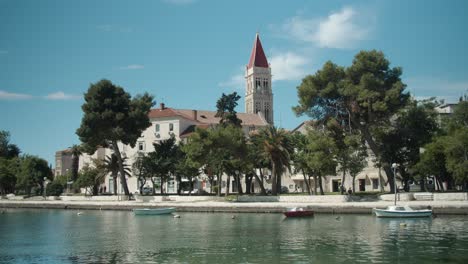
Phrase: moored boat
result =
(153, 211)
(402, 211)
(298, 212)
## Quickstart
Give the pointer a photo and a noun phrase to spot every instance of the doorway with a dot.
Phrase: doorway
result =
(362, 185)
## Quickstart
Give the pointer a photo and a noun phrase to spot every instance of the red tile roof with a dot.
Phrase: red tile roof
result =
(257, 57)
(205, 117)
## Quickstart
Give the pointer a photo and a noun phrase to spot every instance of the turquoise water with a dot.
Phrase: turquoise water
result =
(60, 236)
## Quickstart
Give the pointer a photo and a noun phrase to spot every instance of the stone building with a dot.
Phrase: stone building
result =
(180, 123)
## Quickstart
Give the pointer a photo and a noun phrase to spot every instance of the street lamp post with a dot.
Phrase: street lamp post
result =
(68, 185)
(45, 187)
(394, 166)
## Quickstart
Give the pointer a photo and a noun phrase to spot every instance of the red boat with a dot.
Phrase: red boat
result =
(298, 212)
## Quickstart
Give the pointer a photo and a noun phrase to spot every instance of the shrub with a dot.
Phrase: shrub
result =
(54, 189)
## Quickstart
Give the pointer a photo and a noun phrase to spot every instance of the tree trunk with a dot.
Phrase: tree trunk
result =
(123, 180)
(310, 187)
(320, 184)
(306, 181)
(154, 184)
(228, 184)
(274, 187)
(161, 188)
(219, 183)
(315, 184)
(375, 149)
(278, 178)
(179, 187)
(381, 180)
(248, 183)
(260, 182)
(142, 184)
(239, 185)
(342, 188)
(354, 183)
(115, 183)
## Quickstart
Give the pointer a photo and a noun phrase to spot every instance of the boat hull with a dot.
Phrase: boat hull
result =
(402, 214)
(299, 213)
(156, 211)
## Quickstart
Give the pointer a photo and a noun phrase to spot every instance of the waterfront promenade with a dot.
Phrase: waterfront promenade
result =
(219, 204)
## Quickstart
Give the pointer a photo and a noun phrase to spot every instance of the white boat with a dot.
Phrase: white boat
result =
(402, 211)
(153, 211)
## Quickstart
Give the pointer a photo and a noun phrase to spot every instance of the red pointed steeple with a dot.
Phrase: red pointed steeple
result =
(257, 57)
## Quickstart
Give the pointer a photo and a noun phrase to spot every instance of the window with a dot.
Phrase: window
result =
(375, 184)
(141, 146)
(156, 128)
(171, 127)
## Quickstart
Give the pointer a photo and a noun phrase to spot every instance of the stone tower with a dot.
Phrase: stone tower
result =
(259, 96)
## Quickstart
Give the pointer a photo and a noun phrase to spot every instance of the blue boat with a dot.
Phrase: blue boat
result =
(153, 211)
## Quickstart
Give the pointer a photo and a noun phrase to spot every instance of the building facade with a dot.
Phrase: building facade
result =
(258, 92)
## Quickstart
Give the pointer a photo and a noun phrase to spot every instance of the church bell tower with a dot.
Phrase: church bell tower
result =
(259, 96)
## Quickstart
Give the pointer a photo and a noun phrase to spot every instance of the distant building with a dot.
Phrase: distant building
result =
(63, 162)
(181, 123)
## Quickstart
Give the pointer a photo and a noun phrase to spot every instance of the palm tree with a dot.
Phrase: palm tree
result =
(111, 165)
(277, 147)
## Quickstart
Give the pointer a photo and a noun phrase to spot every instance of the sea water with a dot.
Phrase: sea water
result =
(65, 236)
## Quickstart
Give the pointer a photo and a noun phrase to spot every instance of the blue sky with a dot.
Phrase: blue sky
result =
(188, 52)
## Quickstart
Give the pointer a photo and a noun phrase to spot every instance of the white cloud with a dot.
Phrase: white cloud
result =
(13, 96)
(340, 30)
(426, 87)
(285, 66)
(179, 2)
(236, 81)
(288, 66)
(61, 96)
(133, 67)
(106, 28)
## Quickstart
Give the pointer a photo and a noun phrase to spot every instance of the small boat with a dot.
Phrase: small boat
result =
(298, 212)
(402, 211)
(153, 211)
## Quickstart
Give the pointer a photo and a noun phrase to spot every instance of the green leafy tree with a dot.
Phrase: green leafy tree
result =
(299, 158)
(140, 170)
(277, 147)
(9, 163)
(164, 159)
(226, 109)
(7, 150)
(363, 96)
(217, 150)
(111, 165)
(89, 179)
(32, 172)
(456, 152)
(322, 155)
(433, 162)
(112, 116)
(8, 172)
(187, 169)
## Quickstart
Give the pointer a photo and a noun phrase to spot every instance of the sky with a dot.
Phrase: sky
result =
(188, 52)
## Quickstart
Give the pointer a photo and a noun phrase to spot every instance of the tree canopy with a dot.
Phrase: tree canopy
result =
(112, 116)
(363, 96)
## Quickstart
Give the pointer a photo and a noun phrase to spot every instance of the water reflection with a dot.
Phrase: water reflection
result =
(52, 236)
